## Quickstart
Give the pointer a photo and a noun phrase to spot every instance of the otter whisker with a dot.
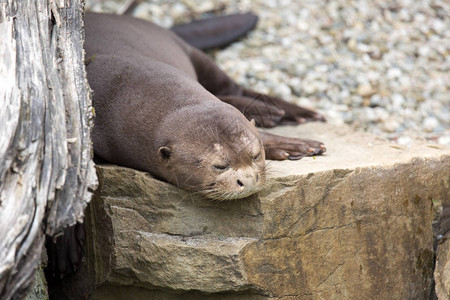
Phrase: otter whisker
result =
(187, 179)
(204, 129)
(266, 169)
(214, 135)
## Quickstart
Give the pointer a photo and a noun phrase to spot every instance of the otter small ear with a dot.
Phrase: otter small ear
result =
(253, 122)
(165, 152)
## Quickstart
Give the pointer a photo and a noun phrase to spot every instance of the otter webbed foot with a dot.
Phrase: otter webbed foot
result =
(264, 114)
(293, 115)
(281, 148)
(298, 115)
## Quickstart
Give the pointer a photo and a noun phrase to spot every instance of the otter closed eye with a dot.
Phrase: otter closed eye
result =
(221, 167)
(257, 157)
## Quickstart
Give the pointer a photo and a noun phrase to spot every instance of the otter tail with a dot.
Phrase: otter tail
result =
(216, 32)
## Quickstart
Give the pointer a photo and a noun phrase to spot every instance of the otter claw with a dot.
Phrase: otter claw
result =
(322, 149)
(295, 157)
(301, 120)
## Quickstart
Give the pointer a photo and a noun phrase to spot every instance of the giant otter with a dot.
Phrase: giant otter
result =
(163, 106)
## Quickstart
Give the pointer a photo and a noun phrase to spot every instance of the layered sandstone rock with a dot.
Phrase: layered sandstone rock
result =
(355, 223)
(442, 269)
(442, 272)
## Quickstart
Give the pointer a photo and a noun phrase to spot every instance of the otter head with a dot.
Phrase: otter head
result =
(222, 158)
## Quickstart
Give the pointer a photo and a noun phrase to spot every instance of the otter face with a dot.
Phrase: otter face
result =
(222, 171)
(235, 175)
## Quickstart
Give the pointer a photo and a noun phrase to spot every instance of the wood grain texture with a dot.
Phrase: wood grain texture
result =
(46, 171)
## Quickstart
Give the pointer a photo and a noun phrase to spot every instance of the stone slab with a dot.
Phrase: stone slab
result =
(355, 223)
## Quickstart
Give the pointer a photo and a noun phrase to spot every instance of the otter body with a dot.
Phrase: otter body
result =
(163, 107)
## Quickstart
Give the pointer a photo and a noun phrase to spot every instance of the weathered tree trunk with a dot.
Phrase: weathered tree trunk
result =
(46, 171)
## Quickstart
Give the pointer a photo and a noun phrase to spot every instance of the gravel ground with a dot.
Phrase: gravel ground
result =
(379, 66)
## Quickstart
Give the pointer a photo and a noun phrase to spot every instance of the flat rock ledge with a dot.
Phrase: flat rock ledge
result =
(355, 223)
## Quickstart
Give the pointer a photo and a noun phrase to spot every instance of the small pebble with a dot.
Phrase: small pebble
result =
(365, 90)
(405, 140)
(430, 123)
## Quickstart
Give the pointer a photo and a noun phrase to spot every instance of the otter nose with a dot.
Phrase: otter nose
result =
(249, 181)
(253, 180)
(247, 178)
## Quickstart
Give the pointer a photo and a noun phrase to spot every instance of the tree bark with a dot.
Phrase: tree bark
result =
(46, 169)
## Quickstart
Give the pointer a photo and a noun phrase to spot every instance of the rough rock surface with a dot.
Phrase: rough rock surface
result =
(355, 223)
(442, 271)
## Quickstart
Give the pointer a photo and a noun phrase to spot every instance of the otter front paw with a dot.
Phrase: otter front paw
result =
(298, 115)
(280, 148)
